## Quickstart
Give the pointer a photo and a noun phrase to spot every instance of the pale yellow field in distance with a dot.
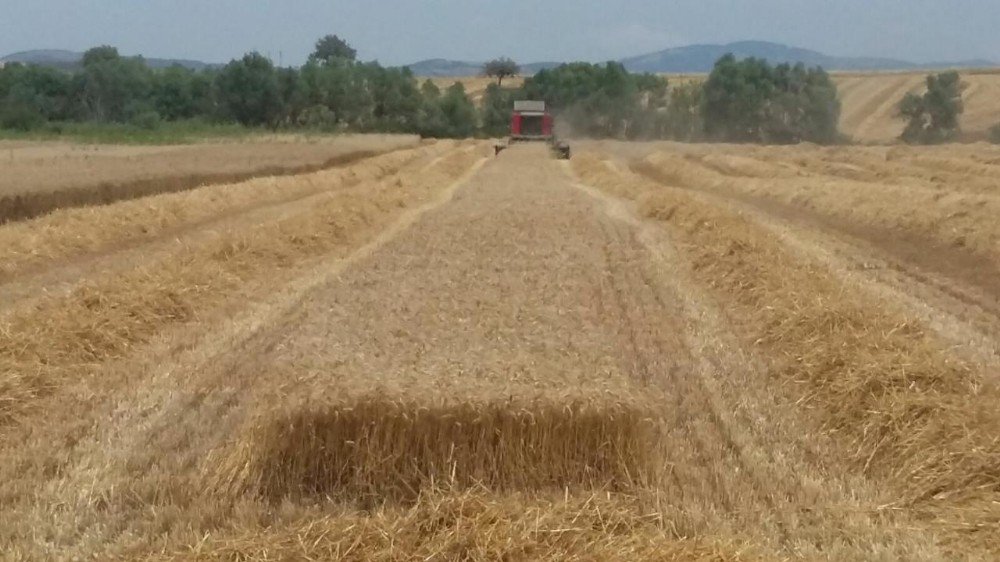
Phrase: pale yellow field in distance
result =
(36, 166)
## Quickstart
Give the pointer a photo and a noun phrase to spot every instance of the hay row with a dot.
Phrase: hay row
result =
(66, 338)
(939, 207)
(375, 449)
(909, 414)
(68, 232)
(472, 526)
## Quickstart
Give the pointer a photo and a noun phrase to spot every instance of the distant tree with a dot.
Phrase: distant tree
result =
(114, 88)
(683, 120)
(805, 106)
(501, 68)
(430, 90)
(751, 101)
(96, 55)
(249, 91)
(19, 108)
(430, 120)
(332, 47)
(289, 85)
(995, 134)
(496, 110)
(600, 100)
(933, 117)
(397, 99)
(459, 113)
(173, 93)
(30, 95)
(736, 95)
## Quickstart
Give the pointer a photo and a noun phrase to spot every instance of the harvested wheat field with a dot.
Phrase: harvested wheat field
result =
(653, 352)
(39, 177)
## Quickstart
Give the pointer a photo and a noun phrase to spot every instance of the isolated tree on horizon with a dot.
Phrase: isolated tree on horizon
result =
(333, 47)
(501, 68)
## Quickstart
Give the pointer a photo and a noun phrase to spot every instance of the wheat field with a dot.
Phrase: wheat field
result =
(655, 351)
(40, 177)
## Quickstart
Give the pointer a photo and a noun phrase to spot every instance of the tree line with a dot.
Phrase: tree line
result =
(746, 100)
(333, 91)
(741, 101)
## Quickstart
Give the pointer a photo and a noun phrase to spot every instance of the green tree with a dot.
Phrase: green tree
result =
(496, 110)
(332, 47)
(174, 93)
(683, 119)
(805, 107)
(459, 112)
(933, 117)
(396, 98)
(501, 68)
(600, 100)
(430, 120)
(289, 85)
(31, 95)
(249, 91)
(736, 96)
(751, 101)
(97, 55)
(114, 88)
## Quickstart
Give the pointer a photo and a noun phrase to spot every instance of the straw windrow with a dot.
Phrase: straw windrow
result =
(908, 413)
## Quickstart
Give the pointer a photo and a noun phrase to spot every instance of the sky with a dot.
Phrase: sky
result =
(405, 31)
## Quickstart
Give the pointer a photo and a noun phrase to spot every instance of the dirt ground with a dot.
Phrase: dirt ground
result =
(652, 352)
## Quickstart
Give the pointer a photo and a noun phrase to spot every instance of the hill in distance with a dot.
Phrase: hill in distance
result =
(701, 58)
(70, 60)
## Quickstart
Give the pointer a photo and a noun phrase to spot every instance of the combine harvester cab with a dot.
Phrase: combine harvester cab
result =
(531, 122)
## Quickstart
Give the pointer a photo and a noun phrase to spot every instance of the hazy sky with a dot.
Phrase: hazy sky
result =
(404, 31)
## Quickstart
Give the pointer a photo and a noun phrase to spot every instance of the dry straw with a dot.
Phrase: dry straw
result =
(106, 318)
(475, 526)
(910, 414)
(376, 448)
(29, 245)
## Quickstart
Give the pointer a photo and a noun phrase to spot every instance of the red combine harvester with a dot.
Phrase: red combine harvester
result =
(531, 122)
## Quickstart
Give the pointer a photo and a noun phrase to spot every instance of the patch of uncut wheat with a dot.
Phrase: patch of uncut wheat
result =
(473, 525)
(68, 232)
(377, 448)
(911, 415)
(950, 216)
(68, 337)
